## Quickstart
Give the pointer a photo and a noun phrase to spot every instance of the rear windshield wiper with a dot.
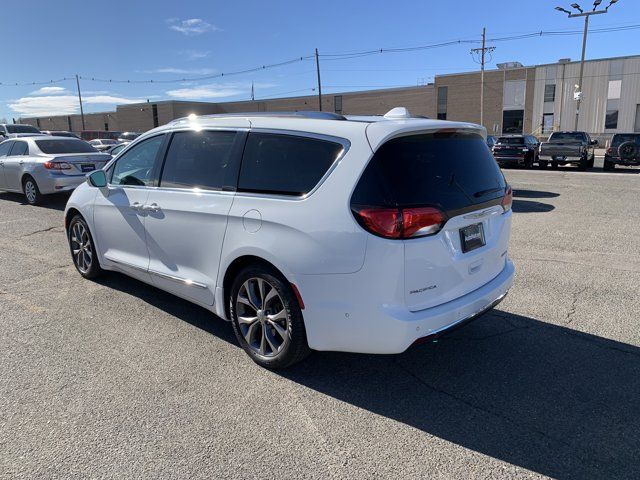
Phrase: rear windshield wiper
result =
(482, 193)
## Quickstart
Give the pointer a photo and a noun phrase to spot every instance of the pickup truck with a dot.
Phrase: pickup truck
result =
(568, 147)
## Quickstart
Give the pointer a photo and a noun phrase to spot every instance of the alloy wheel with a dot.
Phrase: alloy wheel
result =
(262, 317)
(30, 191)
(81, 247)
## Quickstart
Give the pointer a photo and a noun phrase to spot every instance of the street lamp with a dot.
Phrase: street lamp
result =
(586, 16)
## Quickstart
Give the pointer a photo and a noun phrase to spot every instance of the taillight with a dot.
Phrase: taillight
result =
(610, 151)
(50, 165)
(400, 223)
(507, 200)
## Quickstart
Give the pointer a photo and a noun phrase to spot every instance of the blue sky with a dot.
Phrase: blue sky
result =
(169, 40)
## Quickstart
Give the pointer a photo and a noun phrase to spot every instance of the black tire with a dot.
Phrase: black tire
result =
(296, 347)
(608, 165)
(31, 191)
(554, 165)
(584, 163)
(592, 161)
(91, 267)
(528, 162)
(542, 164)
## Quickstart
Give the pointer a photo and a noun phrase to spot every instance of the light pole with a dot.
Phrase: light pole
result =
(586, 15)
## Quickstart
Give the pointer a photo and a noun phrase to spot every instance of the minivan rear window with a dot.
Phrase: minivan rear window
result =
(450, 171)
(285, 164)
(66, 145)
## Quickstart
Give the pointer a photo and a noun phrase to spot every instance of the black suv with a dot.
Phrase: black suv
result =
(624, 150)
(516, 150)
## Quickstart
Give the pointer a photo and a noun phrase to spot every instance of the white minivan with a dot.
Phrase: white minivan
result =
(307, 231)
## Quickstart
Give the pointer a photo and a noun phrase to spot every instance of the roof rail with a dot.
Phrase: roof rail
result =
(301, 114)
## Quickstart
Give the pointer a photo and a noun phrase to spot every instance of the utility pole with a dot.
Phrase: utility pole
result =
(319, 83)
(80, 100)
(578, 94)
(483, 55)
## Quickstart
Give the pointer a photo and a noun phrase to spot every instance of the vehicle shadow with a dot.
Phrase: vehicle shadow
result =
(618, 169)
(534, 194)
(527, 206)
(539, 396)
(57, 201)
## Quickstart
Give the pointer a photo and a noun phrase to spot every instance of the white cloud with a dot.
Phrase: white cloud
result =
(49, 91)
(195, 54)
(183, 71)
(206, 91)
(191, 26)
(34, 106)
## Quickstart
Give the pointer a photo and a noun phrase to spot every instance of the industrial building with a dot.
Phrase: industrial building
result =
(517, 99)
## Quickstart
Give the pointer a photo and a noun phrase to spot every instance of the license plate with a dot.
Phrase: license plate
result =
(87, 167)
(472, 237)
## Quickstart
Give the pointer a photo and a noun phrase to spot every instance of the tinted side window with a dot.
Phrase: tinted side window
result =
(199, 159)
(4, 148)
(135, 167)
(285, 164)
(20, 148)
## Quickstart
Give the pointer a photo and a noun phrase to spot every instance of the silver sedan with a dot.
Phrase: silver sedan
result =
(42, 165)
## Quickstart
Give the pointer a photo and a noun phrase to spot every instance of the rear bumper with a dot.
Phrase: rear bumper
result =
(560, 159)
(619, 161)
(389, 329)
(509, 160)
(49, 182)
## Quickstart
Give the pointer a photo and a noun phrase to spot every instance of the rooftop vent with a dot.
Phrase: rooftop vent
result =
(564, 60)
(509, 65)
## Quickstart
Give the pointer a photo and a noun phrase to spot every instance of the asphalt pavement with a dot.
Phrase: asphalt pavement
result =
(115, 379)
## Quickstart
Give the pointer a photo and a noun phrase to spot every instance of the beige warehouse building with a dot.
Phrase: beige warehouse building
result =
(517, 99)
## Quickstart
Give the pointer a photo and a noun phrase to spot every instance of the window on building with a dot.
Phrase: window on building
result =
(200, 160)
(154, 109)
(550, 93)
(106, 126)
(547, 123)
(637, 123)
(285, 164)
(337, 102)
(443, 93)
(611, 120)
(69, 124)
(512, 121)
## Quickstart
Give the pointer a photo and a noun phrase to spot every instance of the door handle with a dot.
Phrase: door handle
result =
(151, 208)
(21, 162)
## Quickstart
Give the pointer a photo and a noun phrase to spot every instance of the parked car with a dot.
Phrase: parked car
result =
(60, 133)
(568, 147)
(41, 165)
(116, 149)
(128, 136)
(624, 150)
(306, 230)
(521, 150)
(103, 144)
(491, 141)
(14, 130)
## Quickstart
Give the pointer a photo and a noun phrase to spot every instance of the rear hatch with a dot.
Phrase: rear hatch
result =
(452, 172)
(509, 147)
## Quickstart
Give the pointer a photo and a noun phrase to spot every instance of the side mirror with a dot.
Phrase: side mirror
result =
(594, 142)
(98, 179)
